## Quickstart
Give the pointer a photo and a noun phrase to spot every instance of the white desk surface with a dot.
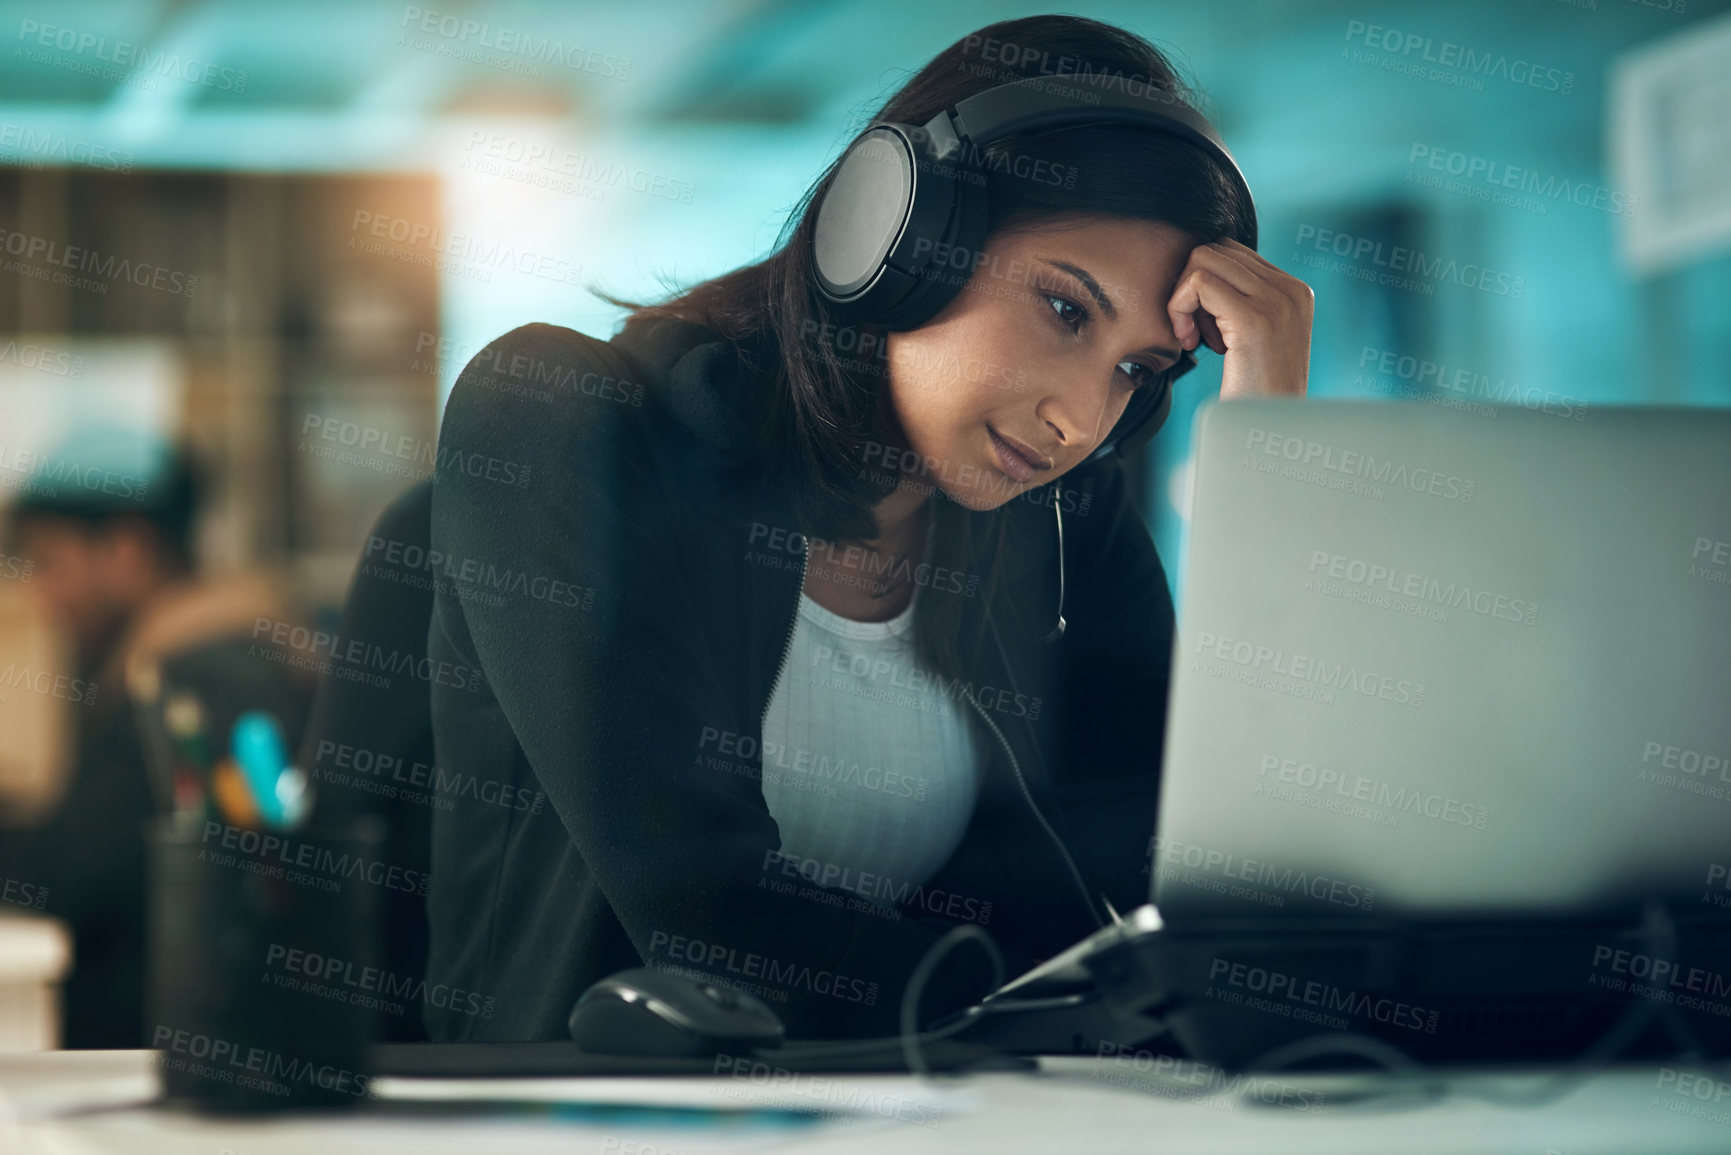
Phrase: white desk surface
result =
(1065, 1108)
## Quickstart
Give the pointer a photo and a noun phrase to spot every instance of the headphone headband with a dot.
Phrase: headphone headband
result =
(1043, 104)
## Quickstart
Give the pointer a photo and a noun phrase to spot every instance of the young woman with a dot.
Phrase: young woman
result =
(779, 677)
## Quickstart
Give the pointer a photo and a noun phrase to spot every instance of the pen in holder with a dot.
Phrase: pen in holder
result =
(263, 948)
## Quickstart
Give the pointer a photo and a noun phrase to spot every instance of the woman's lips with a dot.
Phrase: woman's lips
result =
(1015, 459)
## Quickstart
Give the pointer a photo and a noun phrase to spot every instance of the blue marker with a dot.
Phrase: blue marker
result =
(278, 788)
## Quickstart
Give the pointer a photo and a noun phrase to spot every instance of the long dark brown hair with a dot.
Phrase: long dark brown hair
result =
(825, 419)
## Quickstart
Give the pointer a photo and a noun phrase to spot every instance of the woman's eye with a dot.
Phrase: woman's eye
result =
(1073, 318)
(1141, 376)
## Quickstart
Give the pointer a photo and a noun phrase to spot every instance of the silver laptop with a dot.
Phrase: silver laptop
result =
(1435, 661)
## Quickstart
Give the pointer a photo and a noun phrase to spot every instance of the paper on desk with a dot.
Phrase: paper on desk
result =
(498, 1127)
(108, 1086)
(890, 1097)
(676, 1115)
(573, 1116)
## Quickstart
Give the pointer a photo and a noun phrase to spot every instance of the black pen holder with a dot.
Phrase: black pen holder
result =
(264, 961)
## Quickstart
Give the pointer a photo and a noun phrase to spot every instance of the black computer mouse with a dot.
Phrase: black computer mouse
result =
(644, 1011)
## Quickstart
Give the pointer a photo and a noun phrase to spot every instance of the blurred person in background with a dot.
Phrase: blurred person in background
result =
(115, 576)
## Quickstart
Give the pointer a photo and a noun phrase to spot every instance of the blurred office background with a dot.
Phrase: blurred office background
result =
(296, 221)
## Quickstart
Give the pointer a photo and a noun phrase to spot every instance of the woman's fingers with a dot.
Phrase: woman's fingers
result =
(1210, 332)
(1273, 276)
(1255, 315)
(1200, 289)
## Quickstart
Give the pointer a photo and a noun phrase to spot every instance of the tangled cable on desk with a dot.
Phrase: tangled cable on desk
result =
(912, 1040)
(1658, 936)
(910, 1037)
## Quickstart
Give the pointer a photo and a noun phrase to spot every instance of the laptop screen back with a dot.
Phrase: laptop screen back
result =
(1433, 662)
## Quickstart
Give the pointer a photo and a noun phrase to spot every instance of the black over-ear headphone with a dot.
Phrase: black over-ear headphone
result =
(909, 201)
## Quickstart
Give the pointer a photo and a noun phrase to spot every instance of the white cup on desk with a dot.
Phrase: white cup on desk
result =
(35, 954)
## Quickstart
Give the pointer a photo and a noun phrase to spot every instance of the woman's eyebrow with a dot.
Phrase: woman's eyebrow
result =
(1105, 302)
(1089, 283)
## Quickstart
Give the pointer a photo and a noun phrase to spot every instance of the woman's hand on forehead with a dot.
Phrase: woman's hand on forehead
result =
(1252, 313)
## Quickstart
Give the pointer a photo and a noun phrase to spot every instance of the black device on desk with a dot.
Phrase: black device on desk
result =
(644, 1011)
(648, 1022)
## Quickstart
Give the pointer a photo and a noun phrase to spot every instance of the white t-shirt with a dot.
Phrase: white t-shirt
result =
(868, 768)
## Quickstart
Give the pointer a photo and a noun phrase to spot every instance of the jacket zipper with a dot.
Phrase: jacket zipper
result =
(787, 643)
(1027, 795)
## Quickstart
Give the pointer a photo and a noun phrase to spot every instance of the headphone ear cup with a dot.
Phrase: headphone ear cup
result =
(878, 222)
(955, 254)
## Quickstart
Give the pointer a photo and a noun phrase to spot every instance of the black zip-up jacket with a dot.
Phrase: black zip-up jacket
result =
(623, 576)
